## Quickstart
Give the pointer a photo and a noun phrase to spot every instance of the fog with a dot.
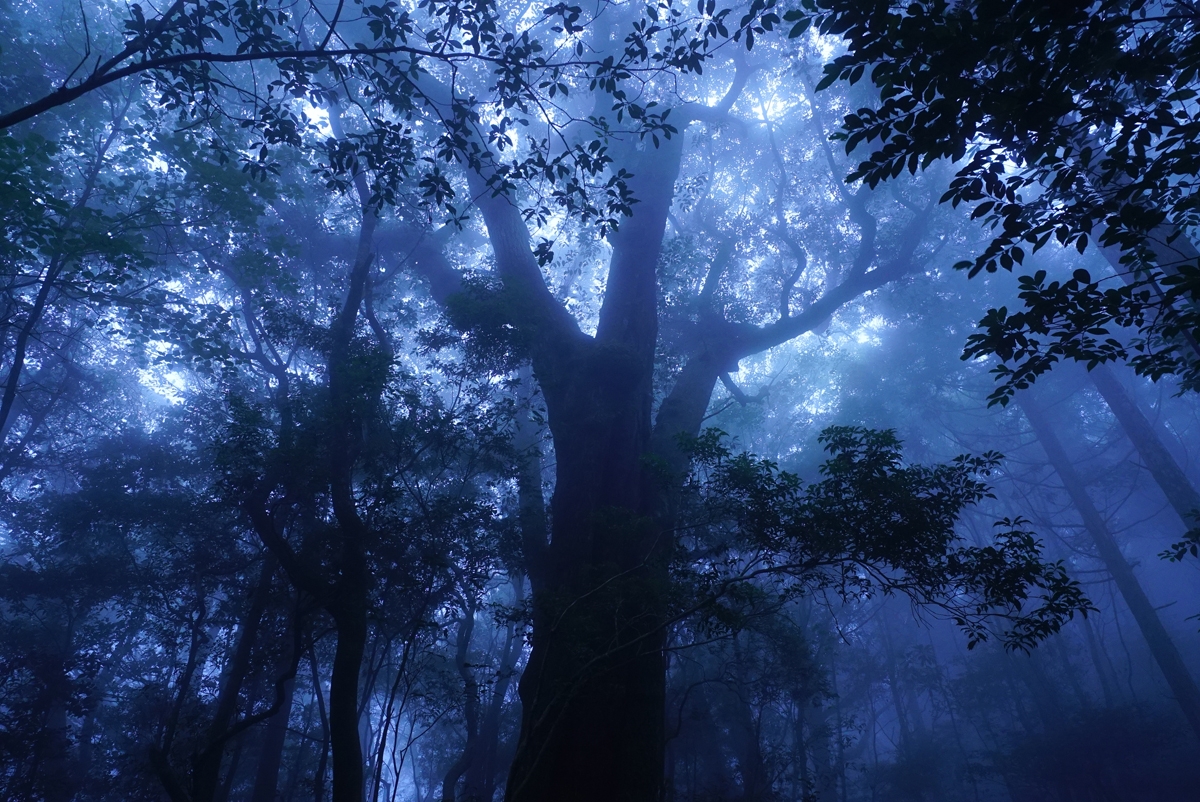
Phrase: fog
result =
(453, 400)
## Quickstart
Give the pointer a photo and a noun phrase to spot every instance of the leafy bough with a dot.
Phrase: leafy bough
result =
(754, 536)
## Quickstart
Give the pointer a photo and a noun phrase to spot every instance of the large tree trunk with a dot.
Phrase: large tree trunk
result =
(1166, 654)
(593, 692)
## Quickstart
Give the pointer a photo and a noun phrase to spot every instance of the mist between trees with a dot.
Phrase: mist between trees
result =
(464, 400)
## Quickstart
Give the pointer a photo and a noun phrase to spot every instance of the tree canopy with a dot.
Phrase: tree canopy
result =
(1073, 122)
(452, 397)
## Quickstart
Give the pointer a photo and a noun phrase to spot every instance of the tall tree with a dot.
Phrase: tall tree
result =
(314, 157)
(1167, 655)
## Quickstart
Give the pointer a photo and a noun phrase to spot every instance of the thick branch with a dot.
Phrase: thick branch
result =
(426, 257)
(779, 332)
(303, 576)
(110, 72)
(720, 347)
(629, 314)
(716, 269)
(854, 285)
(1166, 471)
(740, 394)
(518, 268)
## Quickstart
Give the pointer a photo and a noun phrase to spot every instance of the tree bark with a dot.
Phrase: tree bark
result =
(1166, 654)
(593, 691)
(343, 708)
(349, 601)
(323, 762)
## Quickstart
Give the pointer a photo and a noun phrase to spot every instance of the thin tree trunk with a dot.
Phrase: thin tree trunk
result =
(300, 763)
(1158, 460)
(746, 745)
(388, 714)
(160, 753)
(226, 789)
(899, 703)
(348, 603)
(207, 769)
(57, 780)
(322, 763)
(1104, 670)
(466, 626)
(58, 262)
(839, 733)
(800, 750)
(266, 779)
(480, 784)
(343, 707)
(1166, 654)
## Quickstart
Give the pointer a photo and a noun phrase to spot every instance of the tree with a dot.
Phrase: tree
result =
(593, 688)
(1182, 684)
(1091, 103)
(362, 442)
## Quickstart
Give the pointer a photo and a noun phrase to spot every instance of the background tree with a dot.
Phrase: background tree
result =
(1092, 104)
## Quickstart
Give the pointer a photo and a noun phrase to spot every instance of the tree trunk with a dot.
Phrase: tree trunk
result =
(594, 691)
(1166, 654)
(466, 626)
(301, 762)
(480, 783)
(343, 707)
(207, 769)
(745, 740)
(226, 789)
(55, 757)
(349, 600)
(802, 784)
(1109, 684)
(322, 763)
(266, 779)
(1158, 460)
